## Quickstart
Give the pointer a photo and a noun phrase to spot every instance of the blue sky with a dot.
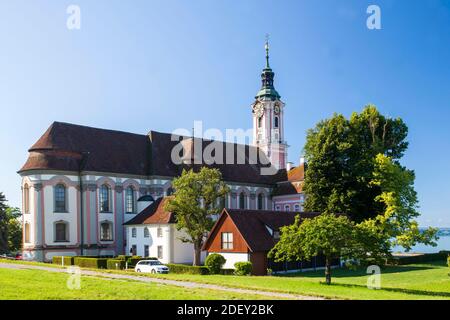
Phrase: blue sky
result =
(159, 65)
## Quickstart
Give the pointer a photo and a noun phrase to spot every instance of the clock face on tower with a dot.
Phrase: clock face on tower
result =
(276, 109)
(258, 109)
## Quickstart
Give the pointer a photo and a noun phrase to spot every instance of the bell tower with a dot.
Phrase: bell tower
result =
(268, 119)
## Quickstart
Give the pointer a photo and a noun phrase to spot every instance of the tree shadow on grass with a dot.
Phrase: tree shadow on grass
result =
(397, 290)
(360, 272)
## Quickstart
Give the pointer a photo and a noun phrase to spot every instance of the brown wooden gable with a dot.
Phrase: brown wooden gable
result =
(225, 224)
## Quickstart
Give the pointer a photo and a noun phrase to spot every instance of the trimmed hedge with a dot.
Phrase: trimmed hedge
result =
(99, 263)
(427, 257)
(214, 263)
(243, 268)
(182, 268)
(115, 264)
(68, 261)
(132, 261)
(123, 257)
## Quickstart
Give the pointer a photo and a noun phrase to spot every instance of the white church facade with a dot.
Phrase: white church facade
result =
(81, 185)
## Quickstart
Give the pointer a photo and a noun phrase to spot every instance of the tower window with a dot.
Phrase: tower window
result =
(276, 124)
(259, 122)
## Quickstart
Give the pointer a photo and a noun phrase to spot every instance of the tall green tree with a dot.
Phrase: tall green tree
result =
(327, 235)
(340, 155)
(4, 221)
(10, 227)
(14, 229)
(195, 200)
(400, 203)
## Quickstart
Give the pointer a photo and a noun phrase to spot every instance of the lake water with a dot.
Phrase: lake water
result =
(442, 244)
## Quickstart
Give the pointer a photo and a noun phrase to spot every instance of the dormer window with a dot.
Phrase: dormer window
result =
(276, 235)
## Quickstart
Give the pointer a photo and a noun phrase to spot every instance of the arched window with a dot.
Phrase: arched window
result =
(242, 200)
(106, 231)
(276, 124)
(105, 197)
(26, 199)
(287, 208)
(259, 122)
(60, 198)
(297, 208)
(26, 231)
(277, 208)
(261, 201)
(146, 233)
(133, 232)
(129, 200)
(61, 232)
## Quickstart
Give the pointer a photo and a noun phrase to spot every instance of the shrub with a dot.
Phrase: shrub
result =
(115, 264)
(448, 260)
(68, 261)
(243, 268)
(99, 263)
(214, 263)
(182, 268)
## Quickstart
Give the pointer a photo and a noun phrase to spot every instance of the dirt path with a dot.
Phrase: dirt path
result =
(185, 284)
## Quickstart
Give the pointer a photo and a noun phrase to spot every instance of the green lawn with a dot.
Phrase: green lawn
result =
(424, 281)
(36, 284)
(427, 281)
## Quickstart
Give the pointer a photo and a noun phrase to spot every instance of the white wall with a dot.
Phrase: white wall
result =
(232, 258)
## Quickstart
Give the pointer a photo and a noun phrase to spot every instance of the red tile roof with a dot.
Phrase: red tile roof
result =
(153, 214)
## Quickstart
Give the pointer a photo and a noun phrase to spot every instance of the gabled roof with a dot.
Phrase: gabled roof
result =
(153, 214)
(63, 145)
(252, 225)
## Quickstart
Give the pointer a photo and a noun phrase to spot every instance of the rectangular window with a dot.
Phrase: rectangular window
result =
(60, 198)
(106, 231)
(60, 232)
(133, 250)
(227, 240)
(160, 252)
(159, 232)
(146, 251)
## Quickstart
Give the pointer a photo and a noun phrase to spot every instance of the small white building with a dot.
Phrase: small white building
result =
(153, 233)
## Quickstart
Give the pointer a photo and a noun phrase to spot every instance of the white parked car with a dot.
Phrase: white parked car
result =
(151, 266)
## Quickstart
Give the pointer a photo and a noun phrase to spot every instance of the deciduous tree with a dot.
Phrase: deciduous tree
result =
(195, 200)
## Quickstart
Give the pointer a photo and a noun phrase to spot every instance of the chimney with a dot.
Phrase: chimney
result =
(302, 160)
(289, 166)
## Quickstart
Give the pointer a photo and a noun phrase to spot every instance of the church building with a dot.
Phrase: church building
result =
(84, 188)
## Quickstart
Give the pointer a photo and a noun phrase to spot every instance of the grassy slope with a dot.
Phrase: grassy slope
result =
(37, 284)
(428, 281)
